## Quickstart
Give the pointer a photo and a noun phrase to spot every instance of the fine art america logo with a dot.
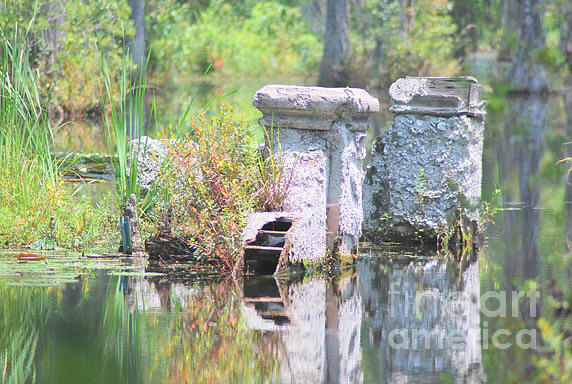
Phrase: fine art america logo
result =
(453, 320)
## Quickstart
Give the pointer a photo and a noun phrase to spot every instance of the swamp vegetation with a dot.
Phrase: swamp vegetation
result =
(73, 310)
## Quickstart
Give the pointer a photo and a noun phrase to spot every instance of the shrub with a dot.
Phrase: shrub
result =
(209, 185)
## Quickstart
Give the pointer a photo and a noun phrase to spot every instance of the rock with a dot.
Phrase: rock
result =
(151, 153)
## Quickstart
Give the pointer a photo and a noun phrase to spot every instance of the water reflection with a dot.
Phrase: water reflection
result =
(421, 321)
(527, 247)
(568, 154)
(318, 322)
(384, 322)
(522, 147)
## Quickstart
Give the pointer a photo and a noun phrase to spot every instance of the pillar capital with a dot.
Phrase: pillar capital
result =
(314, 108)
(437, 96)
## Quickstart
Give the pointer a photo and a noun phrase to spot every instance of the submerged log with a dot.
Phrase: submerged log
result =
(165, 247)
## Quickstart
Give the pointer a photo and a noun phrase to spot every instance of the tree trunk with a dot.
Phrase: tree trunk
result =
(566, 36)
(138, 42)
(335, 70)
(511, 13)
(527, 75)
(568, 154)
(407, 17)
(53, 34)
(137, 129)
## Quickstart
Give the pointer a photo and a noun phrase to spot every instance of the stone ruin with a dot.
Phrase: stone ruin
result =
(424, 179)
(318, 135)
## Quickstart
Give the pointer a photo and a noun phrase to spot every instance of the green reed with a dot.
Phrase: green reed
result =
(26, 164)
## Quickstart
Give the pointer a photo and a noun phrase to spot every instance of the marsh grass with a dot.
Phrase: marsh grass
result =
(125, 103)
(28, 174)
(26, 135)
(31, 191)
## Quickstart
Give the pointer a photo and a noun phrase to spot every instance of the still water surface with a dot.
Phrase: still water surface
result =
(395, 317)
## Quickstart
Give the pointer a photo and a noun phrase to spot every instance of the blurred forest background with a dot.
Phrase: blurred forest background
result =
(362, 43)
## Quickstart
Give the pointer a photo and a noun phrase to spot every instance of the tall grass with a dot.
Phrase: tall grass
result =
(28, 173)
(26, 164)
(125, 104)
(30, 190)
(272, 185)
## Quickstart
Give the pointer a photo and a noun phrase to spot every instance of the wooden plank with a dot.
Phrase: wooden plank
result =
(273, 313)
(262, 248)
(272, 232)
(264, 299)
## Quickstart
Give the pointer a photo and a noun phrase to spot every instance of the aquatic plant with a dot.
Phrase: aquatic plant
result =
(124, 127)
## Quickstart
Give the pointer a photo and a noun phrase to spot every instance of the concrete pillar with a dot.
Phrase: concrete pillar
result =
(319, 135)
(424, 178)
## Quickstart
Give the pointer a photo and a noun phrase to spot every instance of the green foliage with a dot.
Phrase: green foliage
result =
(256, 40)
(420, 185)
(418, 40)
(555, 365)
(209, 185)
(98, 24)
(62, 41)
(552, 58)
(478, 22)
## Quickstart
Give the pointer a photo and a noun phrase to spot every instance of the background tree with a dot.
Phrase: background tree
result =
(138, 40)
(478, 22)
(566, 33)
(137, 123)
(511, 16)
(335, 68)
(527, 73)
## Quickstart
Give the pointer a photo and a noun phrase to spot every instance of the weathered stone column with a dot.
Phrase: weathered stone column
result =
(319, 135)
(425, 174)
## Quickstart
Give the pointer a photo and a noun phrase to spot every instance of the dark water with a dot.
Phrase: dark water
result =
(395, 317)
